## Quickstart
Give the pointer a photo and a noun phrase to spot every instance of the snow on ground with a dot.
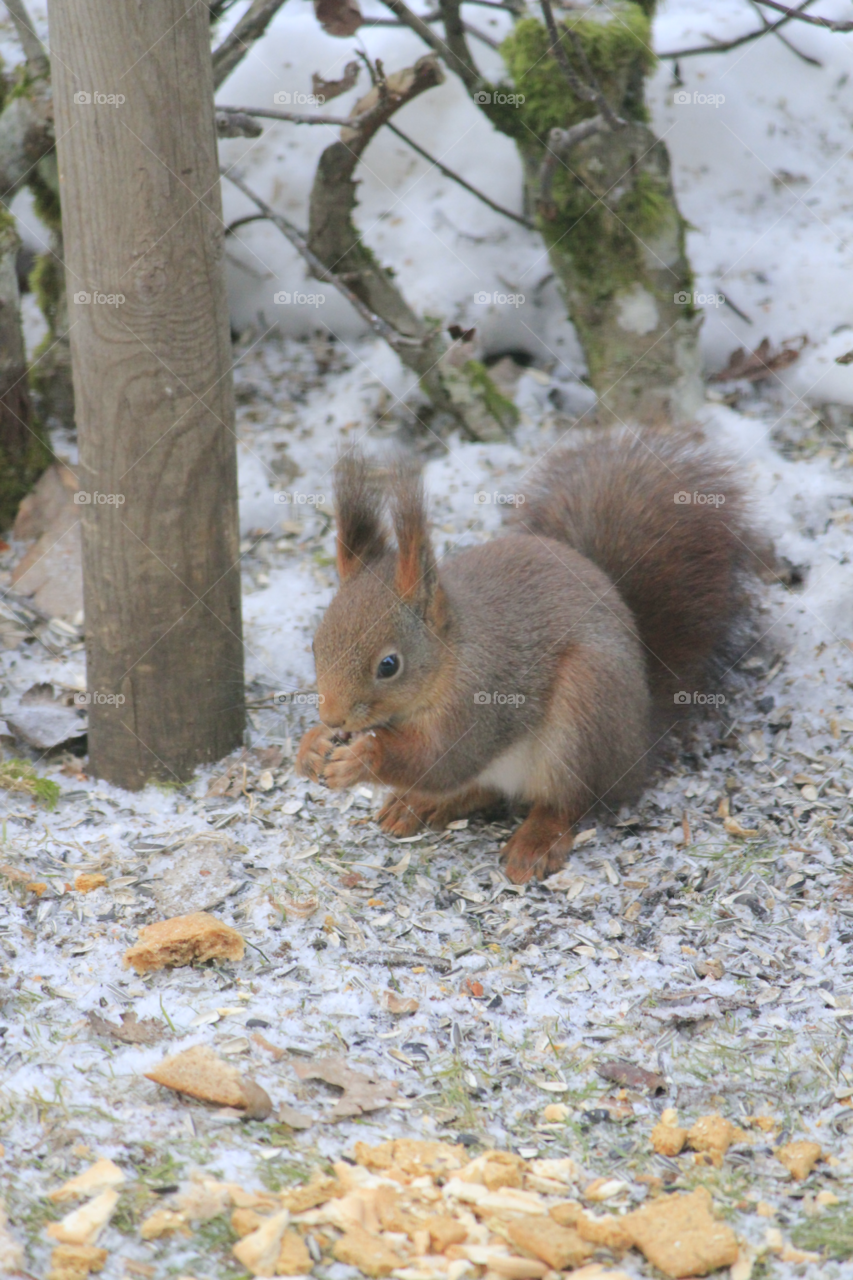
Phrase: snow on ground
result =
(721, 960)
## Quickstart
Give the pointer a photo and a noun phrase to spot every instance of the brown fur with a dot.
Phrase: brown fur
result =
(543, 666)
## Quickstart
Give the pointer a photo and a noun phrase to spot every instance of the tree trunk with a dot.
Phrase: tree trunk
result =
(607, 211)
(23, 452)
(152, 383)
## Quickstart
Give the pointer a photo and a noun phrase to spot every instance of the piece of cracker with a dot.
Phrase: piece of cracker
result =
(183, 940)
(201, 1074)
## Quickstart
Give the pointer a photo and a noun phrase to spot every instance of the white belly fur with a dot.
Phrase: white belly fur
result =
(514, 772)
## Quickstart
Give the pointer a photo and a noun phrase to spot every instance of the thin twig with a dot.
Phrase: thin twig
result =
(436, 17)
(767, 25)
(601, 102)
(582, 91)
(560, 143)
(299, 242)
(828, 24)
(454, 177)
(723, 46)
(238, 42)
(235, 226)
(295, 117)
(470, 77)
(34, 51)
(454, 34)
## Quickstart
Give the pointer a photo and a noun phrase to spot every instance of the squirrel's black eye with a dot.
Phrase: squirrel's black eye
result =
(389, 666)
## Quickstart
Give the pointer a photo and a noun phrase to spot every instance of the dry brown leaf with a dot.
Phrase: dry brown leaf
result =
(294, 1119)
(361, 1092)
(631, 1076)
(132, 1029)
(392, 1003)
(338, 17)
(325, 90)
(758, 364)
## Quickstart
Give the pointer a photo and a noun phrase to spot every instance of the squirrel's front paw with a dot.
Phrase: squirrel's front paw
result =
(314, 751)
(352, 762)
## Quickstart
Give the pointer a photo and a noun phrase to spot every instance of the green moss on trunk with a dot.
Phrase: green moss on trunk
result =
(607, 212)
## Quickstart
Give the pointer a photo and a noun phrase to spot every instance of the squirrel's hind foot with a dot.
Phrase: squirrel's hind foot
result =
(539, 847)
(409, 813)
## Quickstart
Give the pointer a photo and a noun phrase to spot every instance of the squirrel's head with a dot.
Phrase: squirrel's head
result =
(379, 649)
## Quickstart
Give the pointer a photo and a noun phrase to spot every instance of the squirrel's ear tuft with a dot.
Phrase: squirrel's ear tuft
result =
(416, 574)
(358, 503)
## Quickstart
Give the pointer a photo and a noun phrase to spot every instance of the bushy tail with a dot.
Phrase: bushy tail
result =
(668, 522)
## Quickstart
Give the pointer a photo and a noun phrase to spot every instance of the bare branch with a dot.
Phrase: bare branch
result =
(828, 24)
(238, 42)
(768, 27)
(583, 91)
(299, 242)
(560, 143)
(294, 117)
(236, 124)
(454, 177)
(469, 77)
(34, 51)
(454, 34)
(723, 46)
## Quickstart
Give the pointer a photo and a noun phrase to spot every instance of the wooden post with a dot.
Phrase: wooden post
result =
(151, 358)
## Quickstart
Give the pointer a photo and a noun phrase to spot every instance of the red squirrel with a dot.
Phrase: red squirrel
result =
(543, 667)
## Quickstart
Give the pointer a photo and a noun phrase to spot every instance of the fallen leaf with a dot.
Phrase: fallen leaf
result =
(131, 1031)
(294, 1119)
(325, 90)
(758, 364)
(361, 1092)
(338, 17)
(392, 1003)
(632, 1077)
